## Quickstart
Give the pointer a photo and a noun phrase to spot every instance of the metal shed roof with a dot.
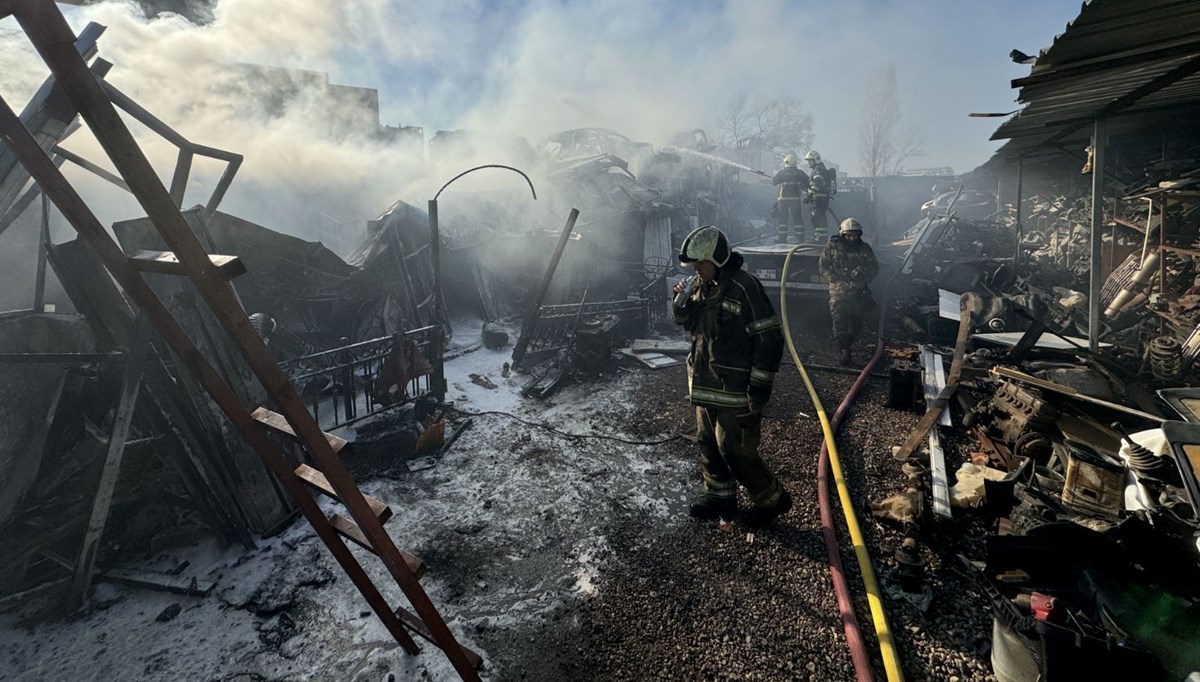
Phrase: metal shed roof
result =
(1131, 62)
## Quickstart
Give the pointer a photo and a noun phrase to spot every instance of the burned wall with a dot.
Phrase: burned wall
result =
(31, 392)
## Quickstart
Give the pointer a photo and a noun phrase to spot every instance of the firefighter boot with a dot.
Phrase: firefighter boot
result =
(760, 517)
(706, 506)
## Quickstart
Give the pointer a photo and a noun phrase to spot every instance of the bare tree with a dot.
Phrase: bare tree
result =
(779, 124)
(734, 124)
(912, 146)
(879, 150)
(783, 126)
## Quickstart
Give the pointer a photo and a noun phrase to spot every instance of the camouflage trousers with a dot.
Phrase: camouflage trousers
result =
(820, 211)
(790, 214)
(851, 312)
(728, 440)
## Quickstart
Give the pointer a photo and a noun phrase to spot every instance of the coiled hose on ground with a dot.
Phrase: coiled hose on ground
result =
(829, 460)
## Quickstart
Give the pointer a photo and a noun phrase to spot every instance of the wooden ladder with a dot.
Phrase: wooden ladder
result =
(53, 39)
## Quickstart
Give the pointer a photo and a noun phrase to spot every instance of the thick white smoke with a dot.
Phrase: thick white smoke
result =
(527, 68)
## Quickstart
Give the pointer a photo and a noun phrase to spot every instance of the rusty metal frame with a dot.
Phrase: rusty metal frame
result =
(53, 39)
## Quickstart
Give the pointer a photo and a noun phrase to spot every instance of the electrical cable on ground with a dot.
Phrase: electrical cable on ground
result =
(566, 434)
(891, 661)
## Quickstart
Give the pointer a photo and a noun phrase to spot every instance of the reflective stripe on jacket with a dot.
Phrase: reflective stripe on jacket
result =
(737, 340)
(792, 181)
(819, 181)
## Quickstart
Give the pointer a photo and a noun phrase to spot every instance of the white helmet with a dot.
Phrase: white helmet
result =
(705, 243)
(789, 160)
(812, 156)
(850, 225)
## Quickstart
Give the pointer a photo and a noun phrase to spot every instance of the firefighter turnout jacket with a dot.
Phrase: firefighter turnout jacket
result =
(792, 181)
(821, 182)
(849, 265)
(737, 340)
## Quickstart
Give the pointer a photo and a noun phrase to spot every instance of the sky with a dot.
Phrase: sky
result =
(534, 67)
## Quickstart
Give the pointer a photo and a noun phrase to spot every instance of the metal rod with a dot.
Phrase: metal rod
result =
(435, 255)
(1020, 227)
(536, 301)
(999, 178)
(39, 285)
(89, 166)
(1095, 284)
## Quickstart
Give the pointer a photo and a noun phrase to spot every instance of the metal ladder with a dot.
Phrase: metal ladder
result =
(53, 39)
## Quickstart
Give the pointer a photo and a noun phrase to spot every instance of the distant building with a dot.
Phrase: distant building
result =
(345, 111)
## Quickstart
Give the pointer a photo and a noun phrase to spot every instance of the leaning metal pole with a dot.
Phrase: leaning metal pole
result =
(1097, 234)
(535, 303)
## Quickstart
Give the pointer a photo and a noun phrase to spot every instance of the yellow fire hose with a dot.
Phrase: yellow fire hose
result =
(887, 648)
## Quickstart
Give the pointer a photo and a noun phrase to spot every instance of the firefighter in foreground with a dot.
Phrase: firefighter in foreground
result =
(793, 184)
(737, 343)
(850, 265)
(822, 185)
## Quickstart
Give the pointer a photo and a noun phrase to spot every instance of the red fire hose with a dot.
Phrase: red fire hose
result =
(858, 650)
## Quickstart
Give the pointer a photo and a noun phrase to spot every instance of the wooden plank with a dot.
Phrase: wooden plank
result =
(167, 263)
(415, 624)
(278, 423)
(351, 531)
(176, 584)
(317, 480)
(47, 115)
(131, 383)
(933, 413)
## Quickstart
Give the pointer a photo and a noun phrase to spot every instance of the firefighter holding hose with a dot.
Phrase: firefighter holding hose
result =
(789, 209)
(737, 343)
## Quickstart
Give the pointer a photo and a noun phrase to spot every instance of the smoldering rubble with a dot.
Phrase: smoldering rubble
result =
(494, 375)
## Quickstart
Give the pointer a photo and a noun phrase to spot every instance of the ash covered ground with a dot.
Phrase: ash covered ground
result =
(556, 558)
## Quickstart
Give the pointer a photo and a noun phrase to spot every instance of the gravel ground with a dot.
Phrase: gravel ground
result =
(689, 601)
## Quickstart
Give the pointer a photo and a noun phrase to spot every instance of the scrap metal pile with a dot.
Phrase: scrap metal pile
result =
(1084, 461)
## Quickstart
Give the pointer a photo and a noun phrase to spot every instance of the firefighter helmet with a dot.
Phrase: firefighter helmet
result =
(789, 160)
(812, 156)
(850, 225)
(705, 243)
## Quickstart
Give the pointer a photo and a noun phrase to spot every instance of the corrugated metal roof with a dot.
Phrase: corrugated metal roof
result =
(1123, 60)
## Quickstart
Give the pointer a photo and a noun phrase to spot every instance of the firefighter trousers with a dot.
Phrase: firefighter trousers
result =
(820, 207)
(851, 312)
(728, 440)
(790, 214)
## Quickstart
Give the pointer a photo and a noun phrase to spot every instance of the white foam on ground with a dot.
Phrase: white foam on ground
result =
(533, 505)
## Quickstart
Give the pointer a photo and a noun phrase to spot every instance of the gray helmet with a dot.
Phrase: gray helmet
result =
(850, 225)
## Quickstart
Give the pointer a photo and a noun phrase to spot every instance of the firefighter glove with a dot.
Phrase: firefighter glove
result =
(758, 395)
